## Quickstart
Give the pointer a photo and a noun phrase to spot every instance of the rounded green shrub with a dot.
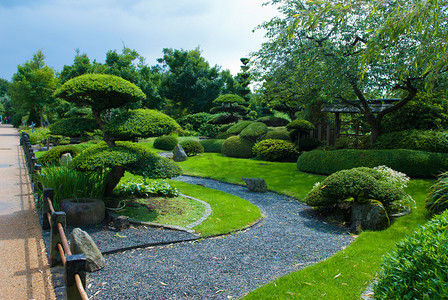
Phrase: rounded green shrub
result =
(272, 121)
(437, 199)
(236, 146)
(212, 145)
(277, 135)
(52, 157)
(192, 147)
(165, 142)
(414, 163)
(417, 269)
(254, 131)
(229, 99)
(37, 135)
(74, 127)
(424, 140)
(141, 123)
(195, 120)
(308, 144)
(238, 127)
(275, 150)
(300, 125)
(224, 119)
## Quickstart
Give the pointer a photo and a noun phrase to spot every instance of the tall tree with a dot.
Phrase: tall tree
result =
(364, 49)
(33, 85)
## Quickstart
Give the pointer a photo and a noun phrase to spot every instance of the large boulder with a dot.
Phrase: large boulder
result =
(179, 154)
(370, 214)
(256, 184)
(82, 243)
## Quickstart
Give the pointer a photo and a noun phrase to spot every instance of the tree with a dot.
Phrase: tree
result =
(32, 86)
(101, 93)
(364, 49)
(188, 81)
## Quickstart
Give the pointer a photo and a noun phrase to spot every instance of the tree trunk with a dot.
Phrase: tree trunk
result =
(375, 127)
(113, 179)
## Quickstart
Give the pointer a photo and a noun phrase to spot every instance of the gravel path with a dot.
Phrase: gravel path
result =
(289, 238)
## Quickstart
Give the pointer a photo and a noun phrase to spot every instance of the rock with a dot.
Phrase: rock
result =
(121, 222)
(66, 159)
(370, 214)
(82, 243)
(83, 211)
(356, 227)
(256, 184)
(179, 154)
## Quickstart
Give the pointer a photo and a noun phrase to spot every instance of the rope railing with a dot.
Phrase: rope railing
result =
(60, 253)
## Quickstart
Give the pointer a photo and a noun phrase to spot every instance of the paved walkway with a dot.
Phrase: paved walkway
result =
(24, 269)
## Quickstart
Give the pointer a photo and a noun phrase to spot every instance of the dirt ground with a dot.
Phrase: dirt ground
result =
(24, 268)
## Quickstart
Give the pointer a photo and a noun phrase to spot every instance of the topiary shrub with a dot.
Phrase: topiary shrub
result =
(300, 125)
(437, 199)
(236, 146)
(308, 144)
(238, 127)
(224, 119)
(73, 127)
(212, 145)
(52, 157)
(275, 150)
(272, 121)
(254, 131)
(411, 162)
(417, 269)
(195, 120)
(192, 147)
(165, 142)
(140, 123)
(424, 140)
(209, 130)
(277, 135)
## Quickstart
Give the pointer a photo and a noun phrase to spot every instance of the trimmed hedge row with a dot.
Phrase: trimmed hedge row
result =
(424, 140)
(411, 162)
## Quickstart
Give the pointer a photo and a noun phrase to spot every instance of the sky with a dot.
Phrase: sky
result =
(223, 29)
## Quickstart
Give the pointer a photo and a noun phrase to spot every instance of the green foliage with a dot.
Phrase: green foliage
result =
(353, 142)
(144, 187)
(192, 147)
(358, 185)
(277, 135)
(417, 268)
(437, 199)
(209, 130)
(37, 135)
(140, 123)
(309, 143)
(300, 125)
(100, 91)
(212, 145)
(254, 131)
(73, 127)
(414, 163)
(165, 142)
(133, 158)
(238, 127)
(52, 157)
(272, 121)
(68, 183)
(275, 150)
(224, 119)
(236, 146)
(424, 140)
(229, 99)
(195, 120)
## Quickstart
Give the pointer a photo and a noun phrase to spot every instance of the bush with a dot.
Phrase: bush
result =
(229, 99)
(235, 129)
(165, 142)
(192, 147)
(411, 162)
(236, 146)
(74, 127)
(141, 123)
(144, 187)
(308, 144)
(300, 125)
(437, 199)
(212, 145)
(52, 157)
(195, 120)
(417, 269)
(209, 130)
(272, 121)
(424, 140)
(357, 185)
(224, 119)
(223, 135)
(353, 142)
(275, 150)
(254, 131)
(277, 135)
(37, 135)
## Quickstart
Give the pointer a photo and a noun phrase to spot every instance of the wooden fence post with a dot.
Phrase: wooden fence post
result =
(55, 238)
(75, 264)
(46, 193)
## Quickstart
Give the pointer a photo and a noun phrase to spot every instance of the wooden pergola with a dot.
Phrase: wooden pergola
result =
(338, 107)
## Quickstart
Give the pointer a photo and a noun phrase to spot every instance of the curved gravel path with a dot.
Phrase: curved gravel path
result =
(226, 267)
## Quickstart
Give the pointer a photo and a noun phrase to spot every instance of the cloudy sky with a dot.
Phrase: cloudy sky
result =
(221, 28)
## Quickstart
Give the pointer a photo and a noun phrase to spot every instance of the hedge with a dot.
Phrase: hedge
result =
(414, 163)
(424, 140)
(275, 150)
(236, 146)
(165, 142)
(192, 147)
(212, 145)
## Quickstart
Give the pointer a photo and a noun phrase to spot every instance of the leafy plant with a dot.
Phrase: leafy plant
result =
(272, 121)
(73, 127)
(275, 150)
(254, 131)
(192, 147)
(238, 127)
(212, 145)
(37, 135)
(165, 142)
(236, 146)
(52, 157)
(144, 187)
(424, 140)
(195, 120)
(209, 130)
(437, 200)
(277, 135)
